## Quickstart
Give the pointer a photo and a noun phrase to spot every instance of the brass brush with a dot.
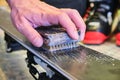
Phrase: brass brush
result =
(56, 38)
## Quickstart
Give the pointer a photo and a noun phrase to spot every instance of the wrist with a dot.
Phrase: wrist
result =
(16, 3)
(12, 2)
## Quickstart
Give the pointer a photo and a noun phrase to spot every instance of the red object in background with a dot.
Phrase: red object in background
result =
(94, 38)
(118, 39)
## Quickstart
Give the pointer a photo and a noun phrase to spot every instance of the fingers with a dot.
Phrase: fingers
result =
(77, 19)
(68, 18)
(28, 31)
(70, 27)
(55, 18)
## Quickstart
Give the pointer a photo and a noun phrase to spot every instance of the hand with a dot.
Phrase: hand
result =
(29, 14)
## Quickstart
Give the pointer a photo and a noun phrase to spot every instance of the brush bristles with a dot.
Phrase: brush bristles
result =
(61, 46)
(56, 38)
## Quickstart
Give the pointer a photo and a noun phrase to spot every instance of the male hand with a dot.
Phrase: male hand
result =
(29, 14)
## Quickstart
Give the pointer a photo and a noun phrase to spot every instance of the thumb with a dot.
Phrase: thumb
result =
(30, 33)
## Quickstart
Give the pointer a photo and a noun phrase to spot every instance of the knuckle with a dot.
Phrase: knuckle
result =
(19, 26)
(75, 11)
(62, 14)
(20, 29)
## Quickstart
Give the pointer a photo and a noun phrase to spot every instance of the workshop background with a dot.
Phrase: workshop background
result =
(13, 66)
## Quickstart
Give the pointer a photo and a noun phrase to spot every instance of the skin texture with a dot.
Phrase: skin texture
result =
(29, 14)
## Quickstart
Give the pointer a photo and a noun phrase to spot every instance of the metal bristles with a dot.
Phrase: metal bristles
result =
(63, 46)
(56, 38)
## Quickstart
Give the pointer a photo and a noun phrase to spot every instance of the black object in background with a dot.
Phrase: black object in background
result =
(79, 5)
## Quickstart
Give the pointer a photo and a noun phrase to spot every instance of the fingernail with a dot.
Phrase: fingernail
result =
(82, 36)
(38, 42)
(76, 36)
